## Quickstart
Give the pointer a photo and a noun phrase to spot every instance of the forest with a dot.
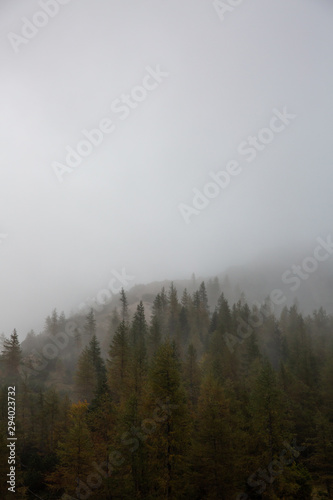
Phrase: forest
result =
(200, 398)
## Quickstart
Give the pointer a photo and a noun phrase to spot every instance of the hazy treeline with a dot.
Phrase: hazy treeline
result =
(165, 408)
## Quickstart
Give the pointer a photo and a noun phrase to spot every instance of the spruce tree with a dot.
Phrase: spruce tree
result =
(270, 424)
(192, 375)
(216, 444)
(11, 355)
(168, 442)
(124, 306)
(85, 377)
(97, 361)
(90, 324)
(118, 363)
(138, 334)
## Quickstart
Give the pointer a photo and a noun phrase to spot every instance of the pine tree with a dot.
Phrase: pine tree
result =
(97, 361)
(114, 323)
(184, 326)
(321, 461)
(203, 296)
(75, 455)
(77, 340)
(52, 411)
(90, 324)
(54, 327)
(267, 406)
(186, 299)
(11, 355)
(91, 372)
(119, 363)
(216, 444)
(159, 312)
(124, 306)
(173, 319)
(139, 326)
(168, 443)
(154, 337)
(138, 334)
(85, 377)
(224, 316)
(132, 429)
(192, 375)
(62, 322)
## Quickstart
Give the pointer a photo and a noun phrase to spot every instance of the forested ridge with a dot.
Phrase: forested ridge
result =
(200, 400)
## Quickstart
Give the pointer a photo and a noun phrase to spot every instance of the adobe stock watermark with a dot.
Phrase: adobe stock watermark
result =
(38, 361)
(294, 277)
(262, 477)
(104, 296)
(123, 106)
(248, 148)
(222, 8)
(309, 265)
(40, 19)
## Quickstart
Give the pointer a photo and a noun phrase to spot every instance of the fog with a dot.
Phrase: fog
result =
(181, 92)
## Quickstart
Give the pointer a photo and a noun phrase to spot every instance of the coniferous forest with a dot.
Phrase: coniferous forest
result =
(200, 399)
(143, 142)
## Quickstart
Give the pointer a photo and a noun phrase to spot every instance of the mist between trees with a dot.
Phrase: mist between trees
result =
(161, 408)
(277, 297)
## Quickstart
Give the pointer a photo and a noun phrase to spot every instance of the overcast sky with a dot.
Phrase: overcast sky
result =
(200, 84)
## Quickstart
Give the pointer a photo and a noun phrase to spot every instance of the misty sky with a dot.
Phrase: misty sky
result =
(217, 82)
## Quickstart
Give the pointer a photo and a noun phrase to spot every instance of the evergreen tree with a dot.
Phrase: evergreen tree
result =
(269, 418)
(114, 323)
(62, 322)
(154, 337)
(54, 327)
(192, 375)
(77, 340)
(203, 297)
(138, 334)
(119, 363)
(184, 326)
(321, 461)
(124, 306)
(97, 361)
(160, 309)
(11, 355)
(186, 299)
(90, 324)
(215, 439)
(173, 319)
(75, 455)
(168, 444)
(85, 377)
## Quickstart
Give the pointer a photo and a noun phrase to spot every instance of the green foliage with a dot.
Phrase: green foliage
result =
(196, 403)
(11, 355)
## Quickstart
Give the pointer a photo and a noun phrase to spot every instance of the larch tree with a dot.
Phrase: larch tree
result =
(75, 454)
